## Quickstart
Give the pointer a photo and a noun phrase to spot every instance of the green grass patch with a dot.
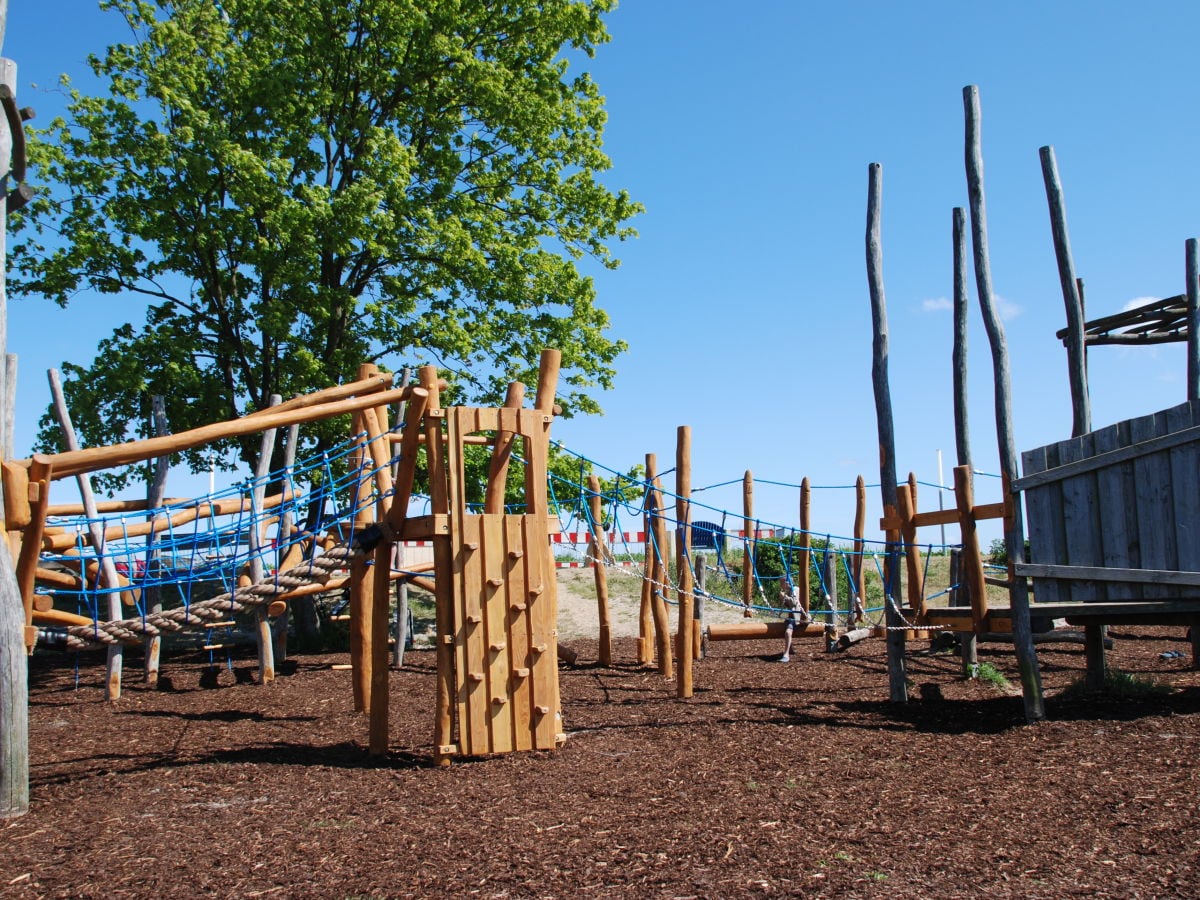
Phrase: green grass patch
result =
(1119, 686)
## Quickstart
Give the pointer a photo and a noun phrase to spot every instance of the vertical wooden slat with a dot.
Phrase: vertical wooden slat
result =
(497, 658)
(1155, 511)
(1185, 493)
(1044, 507)
(1081, 520)
(1114, 502)
(748, 542)
(971, 570)
(516, 584)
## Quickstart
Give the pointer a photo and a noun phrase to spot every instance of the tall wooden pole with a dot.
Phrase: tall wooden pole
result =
(683, 562)
(748, 542)
(1081, 410)
(897, 685)
(600, 555)
(155, 494)
(263, 636)
(858, 593)
(645, 612)
(805, 544)
(1193, 321)
(1014, 530)
(14, 671)
(962, 435)
(108, 577)
(662, 625)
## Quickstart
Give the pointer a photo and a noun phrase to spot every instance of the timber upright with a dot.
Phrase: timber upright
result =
(497, 606)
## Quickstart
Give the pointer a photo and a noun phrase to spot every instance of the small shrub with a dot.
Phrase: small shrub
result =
(989, 674)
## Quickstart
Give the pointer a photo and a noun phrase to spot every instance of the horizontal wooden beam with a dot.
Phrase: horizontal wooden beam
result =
(92, 459)
(1102, 573)
(1111, 458)
(752, 631)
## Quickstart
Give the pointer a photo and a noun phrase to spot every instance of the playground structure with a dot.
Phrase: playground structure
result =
(492, 573)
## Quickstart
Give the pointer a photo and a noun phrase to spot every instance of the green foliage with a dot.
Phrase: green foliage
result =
(989, 674)
(293, 188)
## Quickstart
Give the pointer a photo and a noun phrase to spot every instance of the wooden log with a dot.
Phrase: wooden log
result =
(40, 473)
(17, 513)
(93, 459)
(683, 571)
(600, 572)
(857, 635)
(109, 578)
(1031, 678)
(748, 543)
(760, 630)
(897, 678)
(912, 553)
(380, 593)
(830, 566)
(1081, 411)
(400, 628)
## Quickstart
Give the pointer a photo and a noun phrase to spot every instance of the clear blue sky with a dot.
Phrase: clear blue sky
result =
(747, 135)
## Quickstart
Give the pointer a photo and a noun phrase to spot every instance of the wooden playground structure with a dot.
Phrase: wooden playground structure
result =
(493, 576)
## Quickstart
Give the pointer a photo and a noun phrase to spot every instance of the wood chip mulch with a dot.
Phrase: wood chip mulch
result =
(775, 779)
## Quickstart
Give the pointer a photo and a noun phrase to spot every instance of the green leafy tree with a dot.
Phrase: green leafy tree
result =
(293, 187)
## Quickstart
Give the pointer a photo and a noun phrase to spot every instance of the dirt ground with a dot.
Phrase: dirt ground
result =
(775, 779)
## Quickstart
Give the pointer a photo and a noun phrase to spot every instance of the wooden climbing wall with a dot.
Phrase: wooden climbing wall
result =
(501, 605)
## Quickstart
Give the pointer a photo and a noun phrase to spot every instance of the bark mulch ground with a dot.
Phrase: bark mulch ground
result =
(775, 779)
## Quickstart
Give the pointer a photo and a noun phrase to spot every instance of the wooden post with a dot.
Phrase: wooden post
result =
(830, 566)
(1031, 678)
(962, 437)
(155, 493)
(1193, 320)
(108, 579)
(443, 557)
(916, 578)
(263, 637)
(897, 681)
(805, 545)
(645, 646)
(971, 571)
(400, 644)
(701, 590)
(493, 503)
(858, 591)
(600, 571)
(279, 626)
(1081, 411)
(748, 543)
(357, 461)
(662, 625)
(683, 565)
(960, 595)
(14, 666)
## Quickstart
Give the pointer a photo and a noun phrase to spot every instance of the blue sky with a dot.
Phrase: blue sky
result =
(747, 135)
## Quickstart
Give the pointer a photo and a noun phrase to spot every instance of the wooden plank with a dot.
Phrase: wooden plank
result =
(1184, 462)
(497, 650)
(1117, 511)
(683, 562)
(1147, 578)
(1155, 512)
(543, 639)
(516, 587)
(1081, 519)
(1044, 505)
(1142, 446)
